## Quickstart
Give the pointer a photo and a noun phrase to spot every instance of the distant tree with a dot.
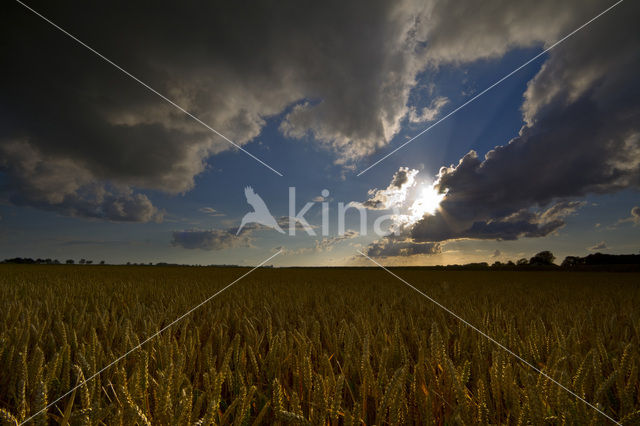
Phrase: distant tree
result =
(69, 262)
(82, 261)
(496, 264)
(611, 259)
(522, 262)
(102, 262)
(89, 262)
(21, 260)
(510, 263)
(571, 261)
(128, 263)
(542, 258)
(478, 265)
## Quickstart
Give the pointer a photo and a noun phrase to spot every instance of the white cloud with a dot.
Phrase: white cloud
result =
(599, 246)
(210, 211)
(327, 243)
(428, 113)
(634, 217)
(395, 194)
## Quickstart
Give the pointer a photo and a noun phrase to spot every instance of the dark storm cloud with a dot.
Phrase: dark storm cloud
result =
(345, 68)
(462, 31)
(521, 224)
(392, 246)
(508, 230)
(424, 236)
(61, 185)
(231, 64)
(401, 177)
(582, 136)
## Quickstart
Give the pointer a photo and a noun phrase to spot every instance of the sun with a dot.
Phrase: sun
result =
(427, 202)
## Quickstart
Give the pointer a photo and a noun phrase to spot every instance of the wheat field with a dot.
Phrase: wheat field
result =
(316, 346)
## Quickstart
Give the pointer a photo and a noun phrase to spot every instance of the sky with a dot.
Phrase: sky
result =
(95, 165)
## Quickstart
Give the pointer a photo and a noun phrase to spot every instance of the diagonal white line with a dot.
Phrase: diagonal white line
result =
(156, 334)
(492, 86)
(509, 351)
(148, 87)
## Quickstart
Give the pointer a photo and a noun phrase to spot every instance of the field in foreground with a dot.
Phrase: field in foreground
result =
(319, 346)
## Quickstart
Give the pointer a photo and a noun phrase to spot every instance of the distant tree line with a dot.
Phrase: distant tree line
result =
(599, 259)
(30, 261)
(543, 260)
